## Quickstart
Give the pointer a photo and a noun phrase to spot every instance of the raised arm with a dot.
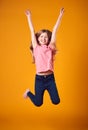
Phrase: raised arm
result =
(33, 38)
(56, 26)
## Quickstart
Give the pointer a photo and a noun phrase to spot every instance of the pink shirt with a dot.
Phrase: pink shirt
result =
(43, 55)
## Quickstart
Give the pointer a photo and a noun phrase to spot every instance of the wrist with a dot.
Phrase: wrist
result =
(61, 14)
(28, 16)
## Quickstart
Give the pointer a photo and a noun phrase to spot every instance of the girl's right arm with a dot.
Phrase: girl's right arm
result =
(33, 37)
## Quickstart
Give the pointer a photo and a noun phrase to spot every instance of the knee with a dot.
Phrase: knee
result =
(56, 101)
(38, 104)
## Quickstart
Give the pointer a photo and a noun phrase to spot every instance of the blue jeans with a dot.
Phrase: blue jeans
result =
(43, 83)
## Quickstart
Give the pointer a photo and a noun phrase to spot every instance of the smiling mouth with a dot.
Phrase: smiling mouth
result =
(42, 41)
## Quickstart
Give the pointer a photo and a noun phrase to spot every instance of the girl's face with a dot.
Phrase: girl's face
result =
(43, 38)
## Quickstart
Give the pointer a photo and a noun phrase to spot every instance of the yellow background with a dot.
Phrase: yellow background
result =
(17, 71)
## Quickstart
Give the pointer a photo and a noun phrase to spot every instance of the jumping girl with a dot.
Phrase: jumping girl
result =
(43, 48)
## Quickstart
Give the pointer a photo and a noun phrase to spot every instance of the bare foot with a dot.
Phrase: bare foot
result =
(25, 94)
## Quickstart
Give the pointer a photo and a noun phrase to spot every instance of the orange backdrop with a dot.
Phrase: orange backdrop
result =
(17, 71)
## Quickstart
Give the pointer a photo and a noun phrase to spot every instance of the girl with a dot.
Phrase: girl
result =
(43, 48)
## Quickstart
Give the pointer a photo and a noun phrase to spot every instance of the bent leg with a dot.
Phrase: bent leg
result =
(52, 89)
(37, 98)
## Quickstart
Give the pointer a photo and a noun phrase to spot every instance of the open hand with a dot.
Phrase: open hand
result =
(61, 11)
(27, 13)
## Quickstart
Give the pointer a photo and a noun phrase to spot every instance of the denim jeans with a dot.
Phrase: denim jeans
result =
(43, 83)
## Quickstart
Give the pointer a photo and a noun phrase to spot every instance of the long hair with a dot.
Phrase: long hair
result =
(49, 34)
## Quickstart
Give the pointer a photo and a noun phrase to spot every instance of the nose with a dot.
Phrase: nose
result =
(43, 38)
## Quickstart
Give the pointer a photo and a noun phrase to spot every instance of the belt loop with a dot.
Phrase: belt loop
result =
(44, 76)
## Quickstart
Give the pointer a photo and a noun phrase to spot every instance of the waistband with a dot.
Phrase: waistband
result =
(45, 76)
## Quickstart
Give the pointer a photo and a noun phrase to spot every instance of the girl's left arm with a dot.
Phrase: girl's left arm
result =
(55, 28)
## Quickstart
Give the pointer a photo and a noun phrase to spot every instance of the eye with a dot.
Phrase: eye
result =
(41, 36)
